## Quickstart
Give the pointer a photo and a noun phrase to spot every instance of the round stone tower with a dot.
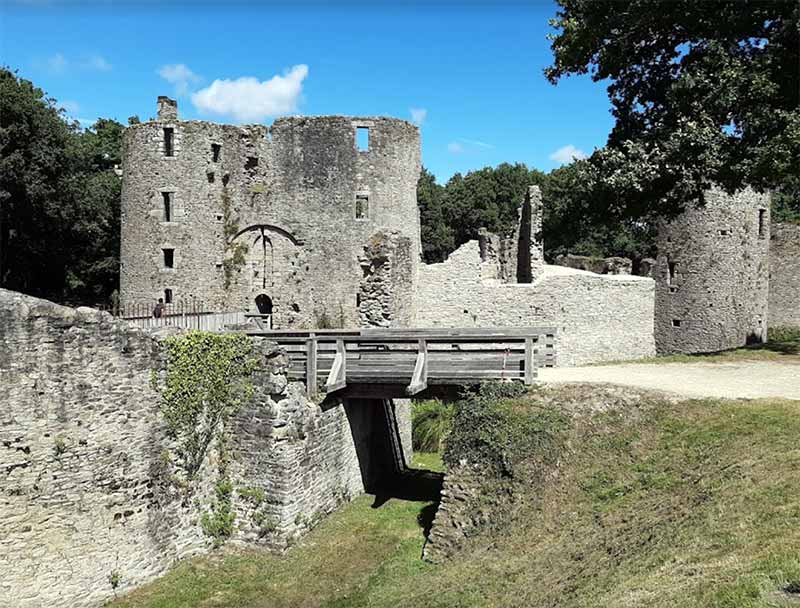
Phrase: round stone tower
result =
(271, 219)
(712, 275)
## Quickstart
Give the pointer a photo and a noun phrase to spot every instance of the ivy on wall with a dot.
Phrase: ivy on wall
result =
(234, 255)
(208, 378)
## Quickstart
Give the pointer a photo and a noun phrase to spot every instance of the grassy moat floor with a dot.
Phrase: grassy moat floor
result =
(661, 503)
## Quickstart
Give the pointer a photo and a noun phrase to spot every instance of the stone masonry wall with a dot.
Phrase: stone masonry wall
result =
(784, 275)
(86, 488)
(385, 296)
(299, 196)
(597, 317)
(711, 275)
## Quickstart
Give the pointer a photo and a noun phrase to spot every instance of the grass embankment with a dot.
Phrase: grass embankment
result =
(652, 504)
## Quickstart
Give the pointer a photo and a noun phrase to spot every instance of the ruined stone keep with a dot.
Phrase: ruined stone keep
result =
(264, 219)
(712, 274)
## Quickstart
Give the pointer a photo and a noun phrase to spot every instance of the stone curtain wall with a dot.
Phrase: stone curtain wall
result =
(286, 194)
(712, 275)
(784, 276)
(598, 317)
(80, 449)
(86, 482)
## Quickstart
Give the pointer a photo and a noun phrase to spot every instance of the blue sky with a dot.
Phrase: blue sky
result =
(469, 73)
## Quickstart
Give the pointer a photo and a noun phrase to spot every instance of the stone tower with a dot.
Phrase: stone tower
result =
(712, 275)
(263, 218)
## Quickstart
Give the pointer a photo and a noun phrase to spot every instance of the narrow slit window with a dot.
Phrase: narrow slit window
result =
(167, 296)
(762, 221)
(167, 206)
(362, 206)
(362, 139)
(169, 141)
(215, 150)
(169, 258)
(672, 273)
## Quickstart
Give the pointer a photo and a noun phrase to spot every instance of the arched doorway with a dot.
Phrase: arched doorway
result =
(264, 306)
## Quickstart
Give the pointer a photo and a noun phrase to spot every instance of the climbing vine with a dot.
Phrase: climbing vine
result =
(234, 258)
(208, 378)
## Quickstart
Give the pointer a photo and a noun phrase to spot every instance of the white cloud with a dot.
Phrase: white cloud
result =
(57, 63)
(96, 62)
(247, 99)
(418, 115)
(180, 76)
(567, 154)
(461, 145)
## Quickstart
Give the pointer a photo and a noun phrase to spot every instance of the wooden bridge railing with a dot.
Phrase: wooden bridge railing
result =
(415, 358)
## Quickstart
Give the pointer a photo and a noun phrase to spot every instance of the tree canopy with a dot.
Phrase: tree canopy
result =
(701, 92)
(59, 198)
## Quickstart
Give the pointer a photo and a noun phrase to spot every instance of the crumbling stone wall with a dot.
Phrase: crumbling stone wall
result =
(299, 197)
(712, 274)
(598, 317)
(610, 265)
(385, 296)
(784, 275)
(88, 490)
(518, 257)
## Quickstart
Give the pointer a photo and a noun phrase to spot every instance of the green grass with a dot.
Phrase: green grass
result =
(783, 346)
(692, 504)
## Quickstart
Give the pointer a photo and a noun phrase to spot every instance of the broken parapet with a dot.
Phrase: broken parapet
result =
(167, 108)
(385, 295)
(518, 257)
(610, 265)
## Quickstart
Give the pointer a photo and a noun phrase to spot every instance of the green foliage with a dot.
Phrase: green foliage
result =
(208, 379)
(701, 92)
(114, 579)
(59, 198)
(494, 430)
(218, 522)
(431, 422)
(59, 446)
(256, 498)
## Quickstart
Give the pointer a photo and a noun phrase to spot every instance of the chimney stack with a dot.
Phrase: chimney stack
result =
(167, 108)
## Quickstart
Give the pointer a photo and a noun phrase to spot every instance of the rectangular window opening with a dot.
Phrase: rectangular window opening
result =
(167, 296)
(762, 221)
(672, 273)
(676, 322)
(167, 206)
(251, 164)
(169, 258)
(169, 141)
(215, 150)
(362, 206)
(362, 139)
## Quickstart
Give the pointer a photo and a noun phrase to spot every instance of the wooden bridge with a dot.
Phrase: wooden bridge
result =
(407, 361)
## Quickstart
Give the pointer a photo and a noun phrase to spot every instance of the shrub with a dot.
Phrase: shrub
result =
(431, 422)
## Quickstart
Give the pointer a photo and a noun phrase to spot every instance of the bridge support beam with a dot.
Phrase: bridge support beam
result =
(337, 378)
(419, 381)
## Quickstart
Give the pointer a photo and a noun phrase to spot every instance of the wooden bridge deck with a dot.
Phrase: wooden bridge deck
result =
(413, 358)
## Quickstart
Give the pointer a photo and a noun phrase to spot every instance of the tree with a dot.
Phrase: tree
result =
(59, 198)
(702, 92)
(436, 233)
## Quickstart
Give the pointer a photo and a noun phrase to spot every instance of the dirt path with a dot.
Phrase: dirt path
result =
(744, 379)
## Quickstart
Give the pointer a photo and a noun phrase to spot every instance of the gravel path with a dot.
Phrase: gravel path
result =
(742, 380)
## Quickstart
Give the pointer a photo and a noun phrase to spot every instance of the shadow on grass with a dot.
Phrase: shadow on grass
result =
(415, 485)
